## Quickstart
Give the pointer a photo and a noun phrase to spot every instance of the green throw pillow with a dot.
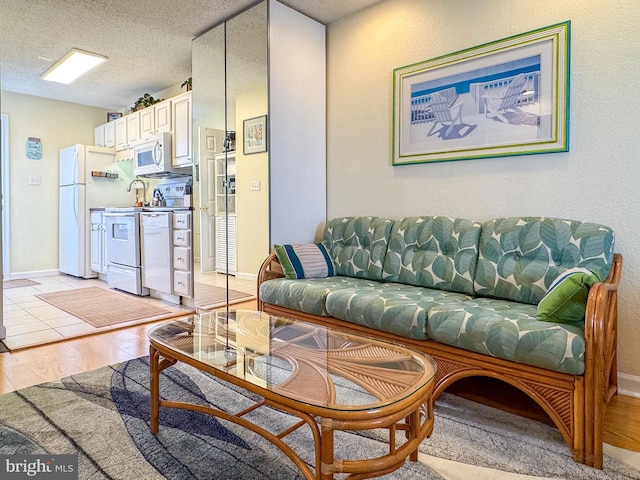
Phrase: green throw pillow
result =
(305, 260)
(566, 299)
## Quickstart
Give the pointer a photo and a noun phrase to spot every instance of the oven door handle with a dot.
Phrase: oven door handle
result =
(119, 215)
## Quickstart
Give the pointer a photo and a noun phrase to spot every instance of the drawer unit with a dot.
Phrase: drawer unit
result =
(182, 254)
(181, 258)
(182, 220)
(182, 238)
(182, 283)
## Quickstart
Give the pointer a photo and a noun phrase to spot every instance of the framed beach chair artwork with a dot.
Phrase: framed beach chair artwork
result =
(507, 97)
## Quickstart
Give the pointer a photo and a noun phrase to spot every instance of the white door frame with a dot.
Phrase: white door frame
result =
(4, 172)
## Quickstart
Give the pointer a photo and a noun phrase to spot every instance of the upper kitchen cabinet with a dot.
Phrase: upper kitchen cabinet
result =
(110, 134)
(127, 131)
(182, 130)
(98, 138)
(155, 119)
(133, 128)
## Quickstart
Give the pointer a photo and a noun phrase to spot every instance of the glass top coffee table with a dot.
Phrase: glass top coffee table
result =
(329, 379)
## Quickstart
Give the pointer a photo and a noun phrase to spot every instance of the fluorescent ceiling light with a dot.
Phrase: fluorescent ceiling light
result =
(73, 65)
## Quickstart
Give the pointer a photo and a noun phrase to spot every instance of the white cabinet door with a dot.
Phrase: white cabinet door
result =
(133, 128)
(110, 134)
(182, 138)
(147, 122)
(162, 112)
(222, 241)
(99, 136)
(97, 243)
(121, 133)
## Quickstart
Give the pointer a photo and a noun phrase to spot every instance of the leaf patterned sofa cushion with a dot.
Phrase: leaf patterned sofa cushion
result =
(509, 330)
(390, 307)
(358, 245)
(520, 257)
(308, 295)
(435, 252)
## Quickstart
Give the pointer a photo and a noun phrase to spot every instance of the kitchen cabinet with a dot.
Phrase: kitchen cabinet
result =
(121, 134)
(226, 245)
(147, 122)
(182, 128)
(155, 119)
(182, 254)
(127, 131)
(110, 134)
(133, 128)
(99, 136)
(162, 114)
(98, 258)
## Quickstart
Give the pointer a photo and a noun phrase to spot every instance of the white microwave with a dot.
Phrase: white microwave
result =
(153, 157)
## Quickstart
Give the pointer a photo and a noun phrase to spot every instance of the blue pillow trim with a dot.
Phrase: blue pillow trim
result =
(323, 249)
(295, 261)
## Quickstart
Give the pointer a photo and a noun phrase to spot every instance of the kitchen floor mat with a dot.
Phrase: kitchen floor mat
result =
(100, 307)
(21, 282)
(209, 296)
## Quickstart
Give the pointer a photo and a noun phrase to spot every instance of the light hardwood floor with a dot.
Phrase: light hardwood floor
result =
(35, 365)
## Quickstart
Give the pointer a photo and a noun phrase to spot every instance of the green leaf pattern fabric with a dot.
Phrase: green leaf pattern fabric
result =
(358, 245)
(390, 307)
(520, 257)
(435, 252)
(308, 295)
(509, 330)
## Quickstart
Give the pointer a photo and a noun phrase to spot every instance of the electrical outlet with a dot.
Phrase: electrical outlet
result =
(255, 185)
(34, 180)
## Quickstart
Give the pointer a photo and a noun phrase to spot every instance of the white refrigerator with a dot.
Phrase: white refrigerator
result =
(82, 187)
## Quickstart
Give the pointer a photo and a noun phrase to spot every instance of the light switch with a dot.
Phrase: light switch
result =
(34, 180)
(255, 185)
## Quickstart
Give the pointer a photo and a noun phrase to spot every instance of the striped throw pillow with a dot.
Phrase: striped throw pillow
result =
(305, 260)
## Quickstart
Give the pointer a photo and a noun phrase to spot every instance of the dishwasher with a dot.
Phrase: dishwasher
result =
(156, 238)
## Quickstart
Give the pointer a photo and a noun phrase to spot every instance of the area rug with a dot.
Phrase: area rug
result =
(100, 307)
(209, 296)
(102, 416)
(20, 282)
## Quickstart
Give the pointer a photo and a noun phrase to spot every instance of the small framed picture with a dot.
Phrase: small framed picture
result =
(255, 135)
(113, 116)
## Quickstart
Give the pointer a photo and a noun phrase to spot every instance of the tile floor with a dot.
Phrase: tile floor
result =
(31, 321)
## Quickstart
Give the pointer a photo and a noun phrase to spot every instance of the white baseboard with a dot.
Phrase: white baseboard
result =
(34, 274)
(247, 276)
(628, 385)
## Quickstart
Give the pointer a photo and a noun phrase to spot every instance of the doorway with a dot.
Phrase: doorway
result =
(4, 172)
(4, 201)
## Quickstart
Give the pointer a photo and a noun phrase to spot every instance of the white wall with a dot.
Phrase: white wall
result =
(34, 209)
(597, 180)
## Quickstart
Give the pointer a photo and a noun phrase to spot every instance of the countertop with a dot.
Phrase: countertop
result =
(140, 209)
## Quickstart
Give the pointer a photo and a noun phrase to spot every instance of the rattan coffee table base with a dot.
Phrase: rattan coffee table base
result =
(404, 405)
(414, 418)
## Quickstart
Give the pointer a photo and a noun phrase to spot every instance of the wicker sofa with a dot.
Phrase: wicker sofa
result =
(470, 294)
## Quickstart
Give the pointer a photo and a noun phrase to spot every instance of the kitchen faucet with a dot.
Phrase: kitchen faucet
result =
(144, 190)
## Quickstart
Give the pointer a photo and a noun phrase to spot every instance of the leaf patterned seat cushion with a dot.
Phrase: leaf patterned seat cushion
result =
(509, 330)
(390, 307)
(435, 252)
(308, 295)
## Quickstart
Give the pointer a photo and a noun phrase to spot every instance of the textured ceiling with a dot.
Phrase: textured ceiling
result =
(148, 42)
